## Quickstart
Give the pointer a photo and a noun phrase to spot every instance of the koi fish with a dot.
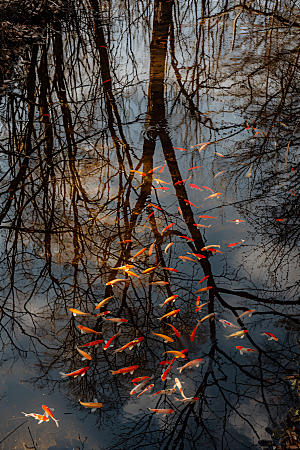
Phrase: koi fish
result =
(195, 167)
(139, 379)
(93, 405)
(132, 274)
(117, 280)
(187, 400)
(250, 170)
(161, 170)
(176, 353)
(228, 324)
(125, 268)
(247, 127)
(237, 221)
(203, 279)
(240, 334)
(210, 316)
(170, 269)
(187, 238)
(179, 386)
(154, 206)
(41, 418)
(199, 307)
(167, 227)
(75, 374)
(102, 303)
(246, 313)
(182, 149)
(209, 189)
(186, 258)
(76, 312)
(182, 181)
(164, 337)
(169, 314)
(199, 225)
(165, 363)
(201, 145)
(130, 345)
(152, 170)
(168, 300)
(160, 189)
(85, 330)
(164, 412)
(159, 283)
(194, 186)
(147, 389)
(209, 246)
(213, 250)
(125, 370)
(271, 337)
(235, 243)
(168, 246)
(126, 241)
(84, 354)
(245, 350)
(198, 255)
(192, 337)
(151, 249)
(191, 364)
(90, 344)
(140, 173)
(179, 210)
(174, 329)
(165, 373)
(219, 154)
(106, 346)
(104, 313)
(165, 392)
(203, 289)
(139, 253)
(190, 203)
(150, 269)
(207, 217)
(219, 173)
(117, 320)
(151, 214)
(48, 413)
(217, 194)
(140, 386)
(158, 181)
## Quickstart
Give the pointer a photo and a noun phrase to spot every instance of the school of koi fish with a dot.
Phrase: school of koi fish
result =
(140, 383)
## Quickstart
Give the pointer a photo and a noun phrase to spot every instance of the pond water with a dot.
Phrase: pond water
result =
(160, 135)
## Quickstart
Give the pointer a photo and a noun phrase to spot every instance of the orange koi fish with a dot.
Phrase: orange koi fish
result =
(84, 354)
(186, 258)
(106, 346)
(125, 370)
(192, 337)
(219, 154)
(219, 173)
(85, 330)
(250, 170)
(116, 320)
(158, 181)
(203, 289)
(182, 149)
(132, 274)
(208, 247)
(140, 173)
(147, 389)
(198, 255)
(75, 374)
(174, 329)
(187, 238)
(102, 303)
(41, 418)
(167, 227)
(213, 250)
(93, 343)
(164, 412)
(209, 189)
(161, 170)
(139, 379)
(214, 195)
(169, 314)
(179, 210)
(166, 372)
(199, 307)
(245, 350)
(164, 337)
(152, 170)
(159, 283)
(48, 413)
(210, 316)
(246, 313)
(151, 269)
(195, 167)
(117, 280)
(168, 300)
(194, 186)
(139, 253)
(191, 364)
(126, 241)
(201, 145)
(151, 249)
(161, 189)
(151, 214)
(271, 337)
(190, 203)
(203, 279)
(154, 206)
(182, 181)
(130, 345)
(177, 354)
(240, 334)
(235, 243)
(168, 246)
(207, 217)
(125, 268)
(199, 225)
(170, 269)
(76, 312)
(94, 405)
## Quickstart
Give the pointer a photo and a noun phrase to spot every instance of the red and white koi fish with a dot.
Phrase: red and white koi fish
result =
(102, 303)
(106, 346)
(39, 417)
(165, 392)
(147, 389)
(187, 400)
(195, 167)
(138, 253)
(171, 313)
(199, 225)
(237, 221)
(246, 313)
(240, 334)
(209, 189)
(152, 170)
(125, 370)
(85, 330)
(219, 173)
(140, 173)
(159, 283)
(116, 320)
(163, 336)
(167, 227)
(84, 354)
(208, 247)
(130, 345)
(182, 181)
(174, 329)
(194, 186)
(93, 343)
(48, 413)
(235, 243)
(217, 194)
(93, 405)
(191, 364)
(164, 412)
(245, 350)
(140, 386)
(204, 216)
(168, 300)
(271, 337)
(76, 312)
(166, 372)
(117, 280)
(179, 210)
(227, 324)
(182, 149)
(75, 374)
(168, 246)
(179, 386)
(210, 316)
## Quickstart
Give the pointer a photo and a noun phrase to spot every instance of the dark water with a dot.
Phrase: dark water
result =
(92, 92)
